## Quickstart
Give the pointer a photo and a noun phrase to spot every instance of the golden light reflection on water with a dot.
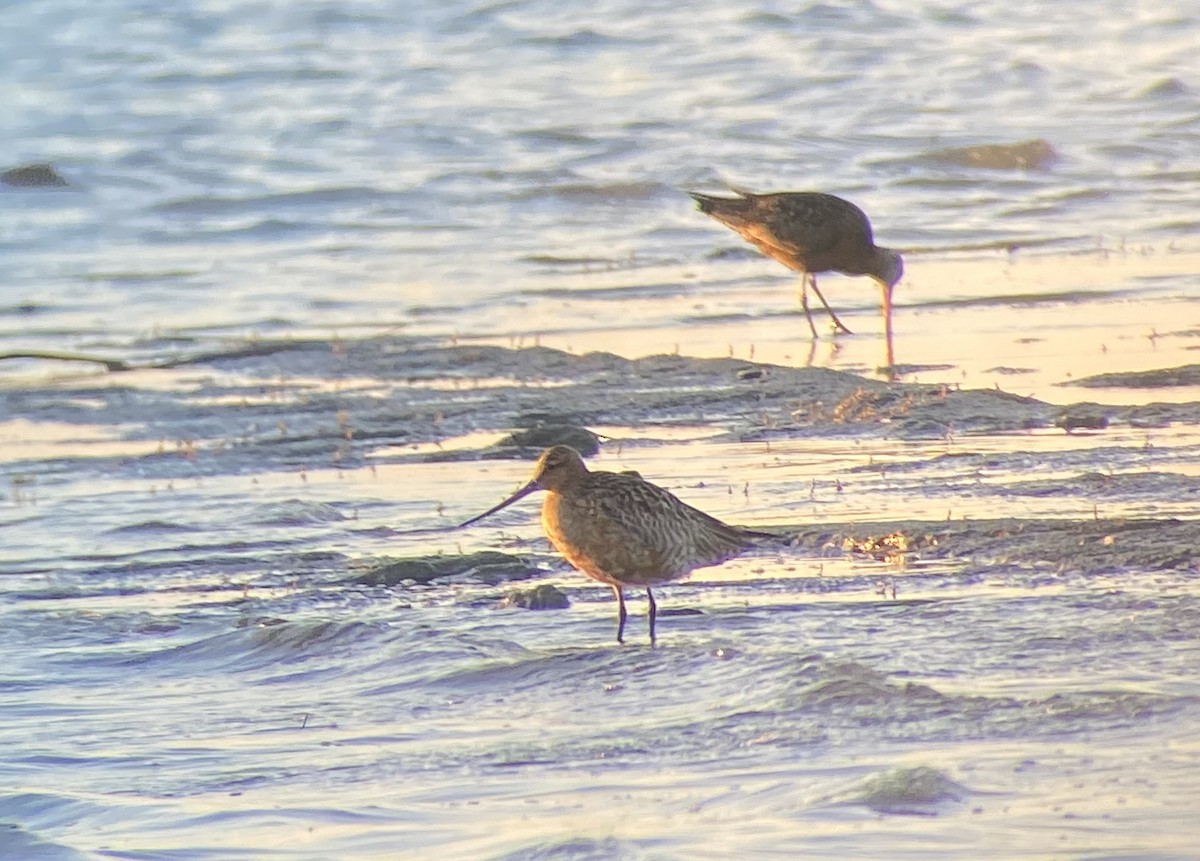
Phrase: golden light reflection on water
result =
(1025, 323)
(22, 439)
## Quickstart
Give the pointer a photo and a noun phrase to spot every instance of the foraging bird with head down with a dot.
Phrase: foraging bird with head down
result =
(621, 530)
(811, 232)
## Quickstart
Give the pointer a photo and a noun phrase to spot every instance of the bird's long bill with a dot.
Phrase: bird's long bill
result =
(887, 324)
(520, 494)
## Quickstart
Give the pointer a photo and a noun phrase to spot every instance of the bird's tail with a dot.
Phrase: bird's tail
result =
(749, 536)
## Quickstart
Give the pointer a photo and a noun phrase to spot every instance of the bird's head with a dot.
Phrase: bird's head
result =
(558, 467)
(890, 268)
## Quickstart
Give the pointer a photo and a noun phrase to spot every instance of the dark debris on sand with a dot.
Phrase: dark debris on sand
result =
(1074, 545)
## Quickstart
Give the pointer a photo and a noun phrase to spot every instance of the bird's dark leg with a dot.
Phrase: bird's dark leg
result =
(653, 613)
(620, 614)
(804, 276)
(838, 324)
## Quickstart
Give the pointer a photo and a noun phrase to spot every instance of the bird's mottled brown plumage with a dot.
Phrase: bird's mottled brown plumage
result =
(621, 530)
(810, 232)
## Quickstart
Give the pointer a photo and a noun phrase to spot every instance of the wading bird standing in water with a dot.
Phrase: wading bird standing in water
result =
(811, 232)
(622, 530)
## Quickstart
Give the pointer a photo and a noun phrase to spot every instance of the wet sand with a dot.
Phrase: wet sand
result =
(196, 407)
(974, 563)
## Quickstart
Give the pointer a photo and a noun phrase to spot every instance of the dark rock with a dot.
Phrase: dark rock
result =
(1034, 154)
(1161, 378)
(1072, 420)
(538, 418)
(543, 436)
(487, 566)
(907, 370)
(1165, 88)
(544, 596)
(33, 176)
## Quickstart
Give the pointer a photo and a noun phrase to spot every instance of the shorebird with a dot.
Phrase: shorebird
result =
(621, 530)
(811, 232)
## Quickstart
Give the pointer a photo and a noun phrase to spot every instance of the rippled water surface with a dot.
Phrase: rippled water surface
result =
(199, 663)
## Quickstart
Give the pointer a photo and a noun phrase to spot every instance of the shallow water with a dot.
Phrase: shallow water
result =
(318, 220)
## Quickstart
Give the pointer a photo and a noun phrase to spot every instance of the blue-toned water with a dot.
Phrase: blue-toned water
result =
(194, 667)
(260, 165)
